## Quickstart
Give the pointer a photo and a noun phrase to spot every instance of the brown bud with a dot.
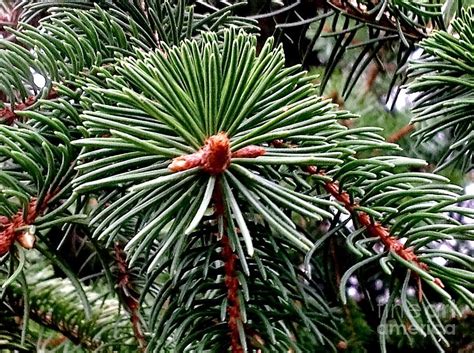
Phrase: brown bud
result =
(342, 345)
(26, 240)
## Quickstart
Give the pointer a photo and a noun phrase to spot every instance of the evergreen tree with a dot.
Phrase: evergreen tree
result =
(176, 184)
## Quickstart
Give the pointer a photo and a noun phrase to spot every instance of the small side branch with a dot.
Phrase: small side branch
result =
(398, 135)
(128, 295)
(8, 114)
(71, 333)
(14, 228)
(384, 20)
(375, 229)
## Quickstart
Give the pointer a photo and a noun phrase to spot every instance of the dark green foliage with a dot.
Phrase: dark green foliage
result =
(384, 32)
(444, 81)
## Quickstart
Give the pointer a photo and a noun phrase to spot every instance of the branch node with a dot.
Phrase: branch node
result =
(215, 156)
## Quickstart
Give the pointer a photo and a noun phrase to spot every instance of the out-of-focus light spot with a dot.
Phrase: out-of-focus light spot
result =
(440, 261)
(353, 280)
(403, 100)
(39, 80)
(378, 284)
(383, 299)
(445, 247)
(352, 292)
(469, 189)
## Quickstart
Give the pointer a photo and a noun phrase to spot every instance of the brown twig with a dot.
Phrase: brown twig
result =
(72, 333)
(10, 227)
(231, 281)
(232, 284)
(372, 74)
(8, 115)
(128, 295)
(398, 135)
(384, 22)
(47, 319)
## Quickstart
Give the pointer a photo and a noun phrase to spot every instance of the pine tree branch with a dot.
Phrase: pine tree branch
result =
(443, 83)
(45, 319)
(214, 158)
(163, 127)
(373, 228)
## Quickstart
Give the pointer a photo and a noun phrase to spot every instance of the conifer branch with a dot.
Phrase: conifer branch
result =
(72, 333)
(163, 141)
(214, 158)
(375, 229)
